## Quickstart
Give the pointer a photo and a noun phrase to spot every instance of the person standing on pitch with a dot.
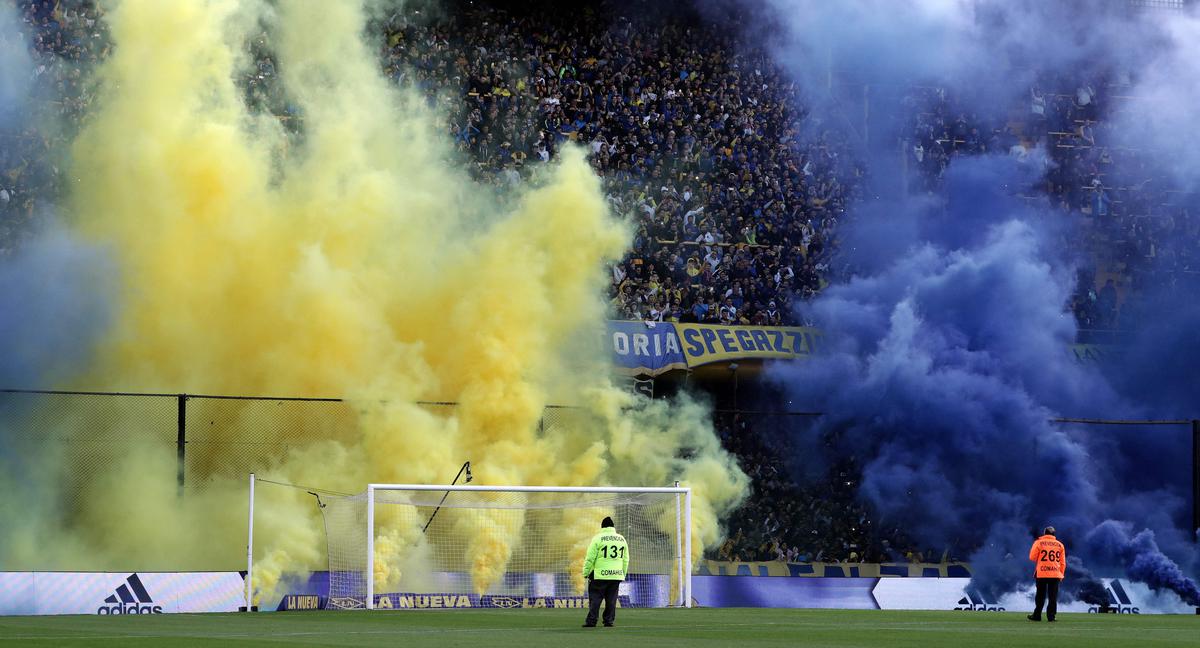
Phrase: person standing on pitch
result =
(1051, 558)
(604, 568)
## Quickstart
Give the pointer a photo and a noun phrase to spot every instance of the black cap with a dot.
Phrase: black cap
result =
(606, 522)
(1049, 530)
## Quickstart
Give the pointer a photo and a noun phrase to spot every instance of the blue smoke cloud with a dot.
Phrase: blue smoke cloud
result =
(16, 67)
(55, 290)
(943, 375)
(947, 346)
(55, 296)
(1142, 558)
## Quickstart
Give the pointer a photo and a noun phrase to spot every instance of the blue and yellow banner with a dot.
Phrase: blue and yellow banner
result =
(652, 348)
(645, 348)
(705, 343)
(417, 601)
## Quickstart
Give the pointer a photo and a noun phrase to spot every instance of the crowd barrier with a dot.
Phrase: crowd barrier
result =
(861, 593)
(123, 593)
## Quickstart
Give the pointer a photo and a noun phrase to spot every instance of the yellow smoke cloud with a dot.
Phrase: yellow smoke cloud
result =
(347, 258)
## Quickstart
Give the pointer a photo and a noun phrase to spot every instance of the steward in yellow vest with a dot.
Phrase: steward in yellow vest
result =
(605, 567)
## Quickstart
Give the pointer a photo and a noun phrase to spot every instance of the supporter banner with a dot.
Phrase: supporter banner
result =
(520, 590)
(639, 386)
(1124, 597)
(120, 593)
(833, 570)
(653, 348)
(641, 348)
(301, 592)
(705, 343)
(411, 600)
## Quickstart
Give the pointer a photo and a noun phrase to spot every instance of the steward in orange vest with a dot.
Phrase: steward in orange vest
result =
(1050, 557)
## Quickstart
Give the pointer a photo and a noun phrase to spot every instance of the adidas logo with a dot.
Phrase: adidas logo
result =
(130, 598)
(974, 602)
(1118, 601)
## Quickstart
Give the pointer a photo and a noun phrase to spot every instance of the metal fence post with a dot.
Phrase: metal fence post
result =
(181, 440)
(1196, 479)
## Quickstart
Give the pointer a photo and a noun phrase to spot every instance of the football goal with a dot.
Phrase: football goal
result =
(420, 546)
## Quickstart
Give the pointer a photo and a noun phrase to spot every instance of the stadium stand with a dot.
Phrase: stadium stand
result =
(1132, 213)
(811, 519)
(697, 142)
(735, 193)
(62, 41)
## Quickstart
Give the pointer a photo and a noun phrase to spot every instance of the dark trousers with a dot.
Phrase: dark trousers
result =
(606, 591)
(1046, 586)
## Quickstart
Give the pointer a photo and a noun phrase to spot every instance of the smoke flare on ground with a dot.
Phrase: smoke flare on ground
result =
(1142, 558)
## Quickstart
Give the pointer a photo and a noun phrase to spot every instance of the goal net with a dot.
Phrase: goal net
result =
(420, 546)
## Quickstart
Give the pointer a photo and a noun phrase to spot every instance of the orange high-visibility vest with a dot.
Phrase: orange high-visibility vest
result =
(1050, 556)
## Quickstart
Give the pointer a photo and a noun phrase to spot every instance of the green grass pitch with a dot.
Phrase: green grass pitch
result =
(741, 628)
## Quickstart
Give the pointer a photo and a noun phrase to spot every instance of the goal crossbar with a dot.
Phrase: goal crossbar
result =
(683, 520)
(680, 490)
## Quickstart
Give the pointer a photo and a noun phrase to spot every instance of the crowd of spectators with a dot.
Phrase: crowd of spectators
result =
(1141, 230)
(1138, 230)
(37, 119)
(696, 139)
(801, 518)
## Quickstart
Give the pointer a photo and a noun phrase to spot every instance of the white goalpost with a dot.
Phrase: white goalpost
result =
(250, 551)
(420, 545)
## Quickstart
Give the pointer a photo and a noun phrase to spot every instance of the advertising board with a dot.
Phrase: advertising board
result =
(120, 592)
